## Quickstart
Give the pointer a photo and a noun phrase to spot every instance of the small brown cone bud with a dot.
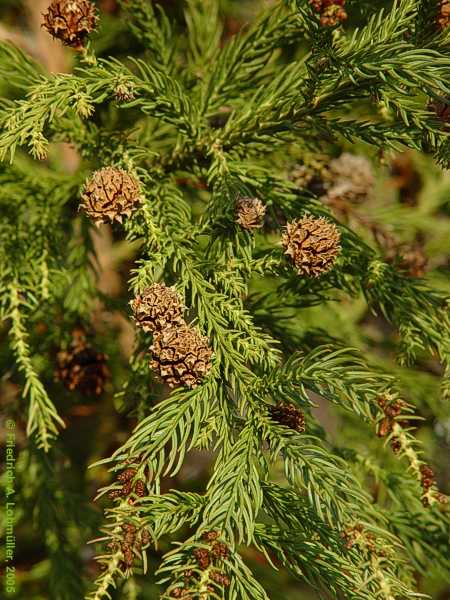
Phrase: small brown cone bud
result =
(250, 213)
(157, 308)
(288, 415)
(145, 537)
(125, 92)
(220, 550)
(384, 427)
(126, 475)
(312, 244)
(82, 368)
(126, 488)
(70, 21)
(139, 488)
(128, 557)
(210, 536)
(181, 356)
(113, 494)
(220, 578)
(202, 558)
(110, 194)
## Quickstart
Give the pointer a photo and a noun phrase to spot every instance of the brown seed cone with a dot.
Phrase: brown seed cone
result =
(250, 213)
(110, 194)
(443, 17)
(70, 21)
(312, 244)
(181, 356)
(157, 308)
(82, 368)
(288, 415)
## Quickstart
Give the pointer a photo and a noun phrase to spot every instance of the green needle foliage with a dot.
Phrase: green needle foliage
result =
(305, 367)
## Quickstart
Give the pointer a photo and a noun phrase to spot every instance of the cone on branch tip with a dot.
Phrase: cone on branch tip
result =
(312, 244)
(81, 368)
(181, 356)
(250, 213)
(110, 194)
(71, 21)
(157, 308)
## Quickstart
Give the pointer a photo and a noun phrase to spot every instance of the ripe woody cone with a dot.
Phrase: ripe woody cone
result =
(312, 245)
(157, 308)
(110, 194)
(181, 356)
(70, 21)
(250, 213)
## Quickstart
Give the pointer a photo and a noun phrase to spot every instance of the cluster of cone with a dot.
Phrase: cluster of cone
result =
(180, 354)
(208, 558)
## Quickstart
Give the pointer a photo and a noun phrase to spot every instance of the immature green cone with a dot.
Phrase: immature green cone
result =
(157, 308)
(181, 356)
(110, 194)
(250, 213)
(70, 21)
(312, 245)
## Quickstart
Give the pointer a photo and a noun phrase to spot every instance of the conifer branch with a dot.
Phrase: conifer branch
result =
(43, 419)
